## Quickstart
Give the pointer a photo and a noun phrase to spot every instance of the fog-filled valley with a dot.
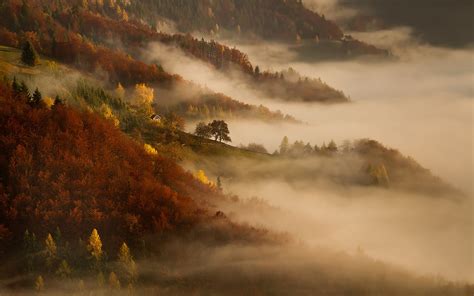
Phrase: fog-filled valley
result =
(278, 147)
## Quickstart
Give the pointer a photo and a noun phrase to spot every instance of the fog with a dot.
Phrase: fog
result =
(331, 9)
(424, 235)
(420, 103)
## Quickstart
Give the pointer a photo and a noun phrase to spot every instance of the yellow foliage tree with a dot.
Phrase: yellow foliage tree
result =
(39, 284)
(114, 282)
(107, 113)
(52, 67)
(201, 176)
(51, 250)
(150, 150)
(143, 97)
(48, 101)
(95, 245)
(127, 263)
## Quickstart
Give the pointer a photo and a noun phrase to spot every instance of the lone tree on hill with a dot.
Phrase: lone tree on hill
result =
(203, 130)
(220, 131)
(28, 55)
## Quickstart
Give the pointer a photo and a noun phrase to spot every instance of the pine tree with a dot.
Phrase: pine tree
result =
(284, 146)
(39, 284)
(16, 86)
(50, 250)
(57, 101)
(95, 245)
(37, 98)
(30, 247)
(28, 55)
(24, 90)
(257, 71)
(127, 263)
(332, 147)
(114, 282)
(64, 270)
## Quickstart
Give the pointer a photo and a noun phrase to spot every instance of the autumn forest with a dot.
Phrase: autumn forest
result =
(224, 147)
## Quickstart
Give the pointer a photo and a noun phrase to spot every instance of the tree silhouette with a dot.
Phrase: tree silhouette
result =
(36, 98)
(220, 131)
(284, 146)
(332, 146)
(203, 130)
(28, 55)
(16, 86)
(57, 101)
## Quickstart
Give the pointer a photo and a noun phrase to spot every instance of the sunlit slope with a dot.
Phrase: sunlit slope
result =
(11, 65)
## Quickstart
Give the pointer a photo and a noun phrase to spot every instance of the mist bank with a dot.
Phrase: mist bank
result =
(424, 235)
(420, 104)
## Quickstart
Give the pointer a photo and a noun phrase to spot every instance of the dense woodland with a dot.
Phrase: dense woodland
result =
(58, 29)
(77, 172)
(51, 38)
(287, 20)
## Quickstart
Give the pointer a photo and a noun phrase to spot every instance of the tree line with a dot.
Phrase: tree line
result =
(55, 258)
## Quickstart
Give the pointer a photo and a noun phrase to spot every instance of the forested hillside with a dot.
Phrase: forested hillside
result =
(74, 192)
(280, 19)
(105, 28)
(120, 177)
(277, 20)
(44, 30)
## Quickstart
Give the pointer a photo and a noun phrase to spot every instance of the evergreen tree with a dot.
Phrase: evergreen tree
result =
(30, 247)
(64, 270)
(50, 250)
(95, 245)
(114, 282)
(24, 90)
(284, 146)
(37, 98)
(257, 71)
(127, 263)
(28, 55)
(57, 101)
(39, 284)
(16, 86)
(332, 147)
